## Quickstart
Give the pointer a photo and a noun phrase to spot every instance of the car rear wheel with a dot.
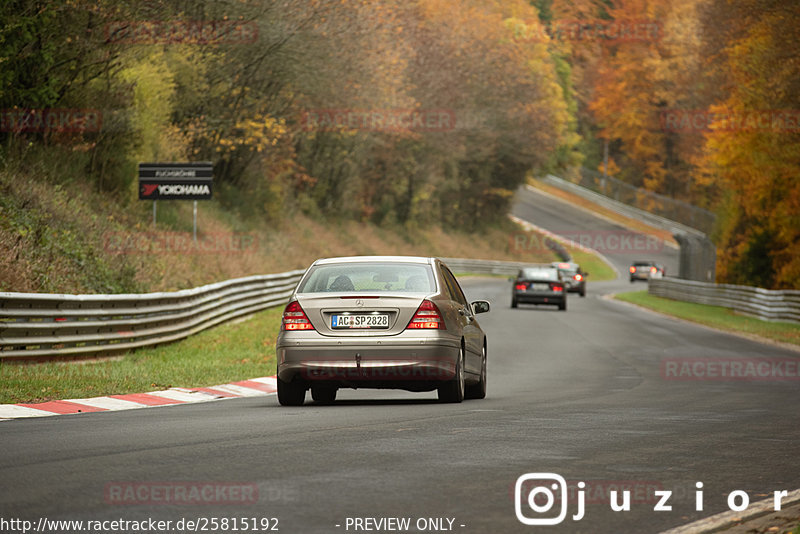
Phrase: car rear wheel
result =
(583, 291)
(513, 303)
(453, 390)
(324, 394)
(478, 391)
(291, 393)
(563, 306)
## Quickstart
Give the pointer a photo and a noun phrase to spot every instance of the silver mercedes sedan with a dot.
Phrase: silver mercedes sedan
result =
(380, 322)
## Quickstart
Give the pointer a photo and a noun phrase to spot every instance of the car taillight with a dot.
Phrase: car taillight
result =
(427, 316)
(632, 269)
(563, 265)
(578, 277)
(653, 270)
(294, 318)
(557, 288)
(521, 287)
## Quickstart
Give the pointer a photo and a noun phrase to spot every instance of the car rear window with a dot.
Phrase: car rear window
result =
(372, 277)
(541, 274)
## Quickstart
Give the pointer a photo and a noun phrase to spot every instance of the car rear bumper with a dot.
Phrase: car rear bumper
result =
(527, 297)
(413, 363)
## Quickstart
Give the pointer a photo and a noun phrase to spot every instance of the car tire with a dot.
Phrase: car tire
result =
(583, 292)
(563, 306)
(478, 391)
(513, 303)
(453, 390)
(291, 393)
(324, 394)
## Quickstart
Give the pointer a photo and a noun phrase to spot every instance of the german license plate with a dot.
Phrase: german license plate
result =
(541, 287)
(360, 320)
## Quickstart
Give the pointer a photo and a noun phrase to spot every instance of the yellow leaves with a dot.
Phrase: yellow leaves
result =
(257, 132)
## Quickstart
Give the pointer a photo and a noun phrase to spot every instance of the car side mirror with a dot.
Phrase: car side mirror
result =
(480, 306)
(585, 274)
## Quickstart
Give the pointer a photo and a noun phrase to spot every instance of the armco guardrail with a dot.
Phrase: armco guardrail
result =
(767, 304)
(506, 268)
(34, 325)
(38, 325)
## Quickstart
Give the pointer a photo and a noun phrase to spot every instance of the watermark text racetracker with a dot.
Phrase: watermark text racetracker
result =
(542, 499)
(603, 241)
(50, 120)
(730, 369)
(165, 32)
(379, 120)
(179, 243)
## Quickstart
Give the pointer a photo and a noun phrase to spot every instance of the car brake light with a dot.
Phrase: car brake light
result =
(427, 317)
(563, 265)
(294, 318)
(653, 270)
(632, 269)
(578, 277)
(521, 287)
(557, 288)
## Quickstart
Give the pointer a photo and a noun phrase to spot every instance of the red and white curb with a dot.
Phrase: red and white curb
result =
(255, 387)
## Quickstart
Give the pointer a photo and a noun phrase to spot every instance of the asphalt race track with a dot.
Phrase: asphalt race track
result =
(580, 393)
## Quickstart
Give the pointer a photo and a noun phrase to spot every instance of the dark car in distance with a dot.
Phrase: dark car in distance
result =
(539, 285)
(574, 277)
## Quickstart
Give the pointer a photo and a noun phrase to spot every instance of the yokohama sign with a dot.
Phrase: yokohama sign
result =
(175, 181)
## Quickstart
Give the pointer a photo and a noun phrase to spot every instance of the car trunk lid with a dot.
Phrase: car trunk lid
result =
(360, 312)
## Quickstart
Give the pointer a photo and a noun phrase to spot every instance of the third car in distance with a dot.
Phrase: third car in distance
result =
(644, 270)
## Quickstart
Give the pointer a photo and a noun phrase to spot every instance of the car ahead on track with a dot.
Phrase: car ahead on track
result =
(539, 285)
(644, 270)
(574, 278)
(380, 322)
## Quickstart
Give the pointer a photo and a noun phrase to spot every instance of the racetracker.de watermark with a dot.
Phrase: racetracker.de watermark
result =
(378, 120)
(577, 30)
(730, 369)
(603, 241)
(382, 370)
(199, 32)
(50, 119)
(180, 493)
(704, 120)
(179, 243)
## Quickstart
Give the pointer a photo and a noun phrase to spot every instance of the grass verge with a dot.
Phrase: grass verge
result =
(227, 353)
(716, 317)
(598, 270)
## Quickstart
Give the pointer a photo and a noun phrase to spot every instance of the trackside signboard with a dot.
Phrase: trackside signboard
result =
(175, 181)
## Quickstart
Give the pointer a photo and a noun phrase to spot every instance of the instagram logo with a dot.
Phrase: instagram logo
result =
(540, 491)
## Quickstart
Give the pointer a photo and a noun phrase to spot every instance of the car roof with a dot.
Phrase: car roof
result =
(543, 268)
(558, 264)
(373, 259)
